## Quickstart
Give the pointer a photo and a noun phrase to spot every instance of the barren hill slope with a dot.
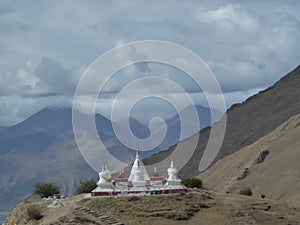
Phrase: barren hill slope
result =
(201, 208)
(249, 121)
(270, 166)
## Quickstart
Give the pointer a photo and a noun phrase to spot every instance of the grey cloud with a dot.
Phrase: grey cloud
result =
(248, 44)
(242, 34)
(39, 95)
(14, 27)
(54, 77)
(24, 26)
(6, 26)
(4, 9)
(49, 78)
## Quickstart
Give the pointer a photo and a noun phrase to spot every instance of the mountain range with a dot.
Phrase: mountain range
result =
(42, 148)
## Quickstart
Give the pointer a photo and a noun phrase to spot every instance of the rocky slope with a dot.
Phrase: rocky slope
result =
(270, 166)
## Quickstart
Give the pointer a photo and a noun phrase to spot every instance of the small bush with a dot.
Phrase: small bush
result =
(86, 186)
(262, 195)
(245, 191)
(34, 213)
(44, 190)
(192, 182)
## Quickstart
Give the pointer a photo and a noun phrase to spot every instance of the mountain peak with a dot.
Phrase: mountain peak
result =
(57, 109)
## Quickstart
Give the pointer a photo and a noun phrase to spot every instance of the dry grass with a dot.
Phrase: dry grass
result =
(203, 208)
(170, 207)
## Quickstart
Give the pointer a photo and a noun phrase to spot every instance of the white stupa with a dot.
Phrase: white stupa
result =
(139, 182)
(139, 175)
(173, 179)
(104, 177)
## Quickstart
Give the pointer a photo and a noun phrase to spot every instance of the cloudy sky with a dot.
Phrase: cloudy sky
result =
(45, 46)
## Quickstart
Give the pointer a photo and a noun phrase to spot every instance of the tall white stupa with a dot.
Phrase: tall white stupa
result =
(139, 175)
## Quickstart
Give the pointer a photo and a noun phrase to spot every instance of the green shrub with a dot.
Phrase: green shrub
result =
(245, 191)
(86, 186)
(34, 213)
(192, 182)
(262, 195)
(44, 190)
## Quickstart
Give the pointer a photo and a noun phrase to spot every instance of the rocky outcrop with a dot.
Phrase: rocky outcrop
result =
(262, 156)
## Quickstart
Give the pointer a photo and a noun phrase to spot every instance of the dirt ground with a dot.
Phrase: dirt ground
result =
(203, 207)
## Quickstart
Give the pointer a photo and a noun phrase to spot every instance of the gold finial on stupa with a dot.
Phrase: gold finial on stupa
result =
(122, 171)
(172, 163)
(155, 169)
(103, 166)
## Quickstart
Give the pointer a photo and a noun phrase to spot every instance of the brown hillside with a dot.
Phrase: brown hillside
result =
(251, 120)
(201, 208)
(277, 176)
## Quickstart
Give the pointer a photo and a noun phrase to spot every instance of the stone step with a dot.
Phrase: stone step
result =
(110, 220)
(111, 223)
(105, 219)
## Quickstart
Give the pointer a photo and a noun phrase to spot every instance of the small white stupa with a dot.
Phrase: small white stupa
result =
(139, 175)
(173, 179)
(104, 177)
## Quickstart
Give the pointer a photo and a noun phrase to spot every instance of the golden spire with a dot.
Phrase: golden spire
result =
(103, 166)
(155, 170)
(122, 171)
(137, 153)
(172, 163)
